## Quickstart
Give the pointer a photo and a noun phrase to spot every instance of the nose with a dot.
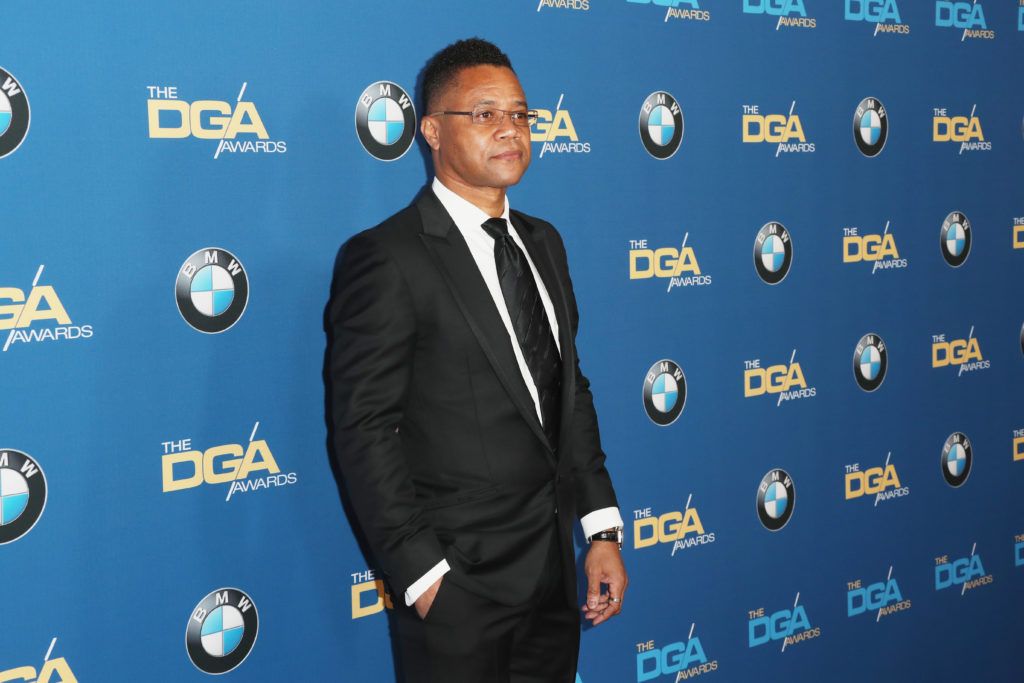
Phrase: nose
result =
(506, 129)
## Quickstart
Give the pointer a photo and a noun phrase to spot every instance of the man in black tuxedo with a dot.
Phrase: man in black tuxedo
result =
(463, 427)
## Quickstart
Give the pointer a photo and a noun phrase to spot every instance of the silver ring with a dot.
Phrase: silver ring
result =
(615, 599)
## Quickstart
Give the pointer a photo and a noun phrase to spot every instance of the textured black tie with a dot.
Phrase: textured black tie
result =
(530, 322)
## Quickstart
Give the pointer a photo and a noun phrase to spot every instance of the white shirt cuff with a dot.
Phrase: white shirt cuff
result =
(599, 520)
(420, 586)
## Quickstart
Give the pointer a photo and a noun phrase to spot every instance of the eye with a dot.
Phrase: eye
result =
(484, 114)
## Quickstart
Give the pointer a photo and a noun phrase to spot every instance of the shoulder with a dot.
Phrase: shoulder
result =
(545, 228)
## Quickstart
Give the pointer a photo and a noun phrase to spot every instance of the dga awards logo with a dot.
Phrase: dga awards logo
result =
(791, 13)
(22, 494)
(884, 598)
(212, 290)
(664, 392)
(963, 15)
(14, 114)
(685, 10)
(221, 631)
(963, 353)
(957, 458)
(776, 499)
(965, 130)
(787, 381)
(661, 124)
(185, 467)
(369, 595)
(870, 361)
(385, 120)
(684, 659)
(955, 239)
(556, 132)
(879, 250)
(679, 266)
(881, 482)
(791, 626)
(1018, 445)
(237, 126)
(884, 14)
(579, 5)
(870, 127)
(1018, 229)
(683, 529)
(784, 130)
(773, 253)
(966, 572)
(26, 316)
(57, 667)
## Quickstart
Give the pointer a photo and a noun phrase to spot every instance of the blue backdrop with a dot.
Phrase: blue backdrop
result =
(177, 178)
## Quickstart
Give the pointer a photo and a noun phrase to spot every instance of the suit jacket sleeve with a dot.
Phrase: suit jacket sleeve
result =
(593, 484)
(373, 328)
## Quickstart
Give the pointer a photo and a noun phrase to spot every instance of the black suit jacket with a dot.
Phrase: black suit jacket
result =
(435, 432)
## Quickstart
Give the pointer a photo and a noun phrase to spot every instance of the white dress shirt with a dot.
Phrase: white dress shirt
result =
(469, 220)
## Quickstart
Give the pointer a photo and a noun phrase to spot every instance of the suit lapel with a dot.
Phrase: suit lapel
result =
(444, 241)
(540, 253)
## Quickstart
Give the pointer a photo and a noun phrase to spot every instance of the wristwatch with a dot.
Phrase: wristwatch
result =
(613, 534)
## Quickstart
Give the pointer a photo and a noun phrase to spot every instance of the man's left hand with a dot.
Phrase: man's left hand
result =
(604, 566)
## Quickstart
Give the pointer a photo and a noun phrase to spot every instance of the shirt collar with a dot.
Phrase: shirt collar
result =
(467, 216)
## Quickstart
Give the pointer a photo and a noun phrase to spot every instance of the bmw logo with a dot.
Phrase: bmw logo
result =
(955, 239)
(385, 120)
(870, 127)
(661, 125)
(221, 631)
(664, 392)
(14, 114)
(212, 290)
(22, 494)
(776, 498)
(773, 253)
(870, 360)
(957, 457)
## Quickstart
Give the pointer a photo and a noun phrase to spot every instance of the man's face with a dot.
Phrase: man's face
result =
(480, 155)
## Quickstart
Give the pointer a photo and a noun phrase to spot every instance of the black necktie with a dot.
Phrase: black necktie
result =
(530, 322)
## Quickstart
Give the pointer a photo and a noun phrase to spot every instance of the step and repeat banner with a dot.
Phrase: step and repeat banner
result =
(796, 231)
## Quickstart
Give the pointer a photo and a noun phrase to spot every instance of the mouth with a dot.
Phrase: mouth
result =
(512, 155)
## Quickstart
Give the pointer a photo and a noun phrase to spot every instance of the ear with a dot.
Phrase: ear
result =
(431, 131)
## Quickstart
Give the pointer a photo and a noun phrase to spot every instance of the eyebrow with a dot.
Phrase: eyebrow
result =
(489, 101)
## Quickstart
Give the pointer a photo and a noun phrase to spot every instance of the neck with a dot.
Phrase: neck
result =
(490, 200)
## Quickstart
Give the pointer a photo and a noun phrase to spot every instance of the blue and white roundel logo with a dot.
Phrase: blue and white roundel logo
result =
(870, 127)
(776, 499)
(221, 631)
(955, 239)
(22, 494)
(661, 125)
(870, 361)
(957, 458)
(664, 392)
(385, 120)
(212, 290)
(773, 253)
(14, 113)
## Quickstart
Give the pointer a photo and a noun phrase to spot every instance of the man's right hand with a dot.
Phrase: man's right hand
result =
(426, 601)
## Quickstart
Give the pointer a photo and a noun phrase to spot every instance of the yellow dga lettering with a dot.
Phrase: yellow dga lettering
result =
(246, 120)
(258, 457)
(635, 271)
(11, 311)
(172, 459)
(217, 123)
(54, 310)
(156, 130)
(230, 464)
(383, 599)
(638, 528)
(59, 667)
(563, 126)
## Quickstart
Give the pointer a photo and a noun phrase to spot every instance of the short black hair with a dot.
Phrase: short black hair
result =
(443, 67)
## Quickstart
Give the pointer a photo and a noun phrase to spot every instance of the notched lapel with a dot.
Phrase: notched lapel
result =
(455, 262)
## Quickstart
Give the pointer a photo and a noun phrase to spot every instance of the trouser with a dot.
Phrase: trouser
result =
(467, 638)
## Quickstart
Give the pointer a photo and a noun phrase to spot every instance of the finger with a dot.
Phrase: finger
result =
(593, 590)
